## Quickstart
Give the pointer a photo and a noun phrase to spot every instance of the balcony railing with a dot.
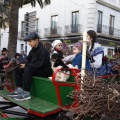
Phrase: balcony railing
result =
(22, 35)
(52, 31)
(107, 30)
(69, 29)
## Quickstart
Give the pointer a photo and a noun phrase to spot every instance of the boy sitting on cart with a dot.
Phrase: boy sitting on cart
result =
(38, 64)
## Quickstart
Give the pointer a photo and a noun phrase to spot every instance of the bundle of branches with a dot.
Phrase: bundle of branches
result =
(97, 98)
(116, 67)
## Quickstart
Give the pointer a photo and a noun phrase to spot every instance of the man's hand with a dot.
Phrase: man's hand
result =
(22, 66)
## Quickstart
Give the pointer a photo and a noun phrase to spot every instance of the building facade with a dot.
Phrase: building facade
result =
(67, 19)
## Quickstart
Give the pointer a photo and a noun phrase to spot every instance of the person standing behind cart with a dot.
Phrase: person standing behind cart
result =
(4, 59)
(23, 55)
(38, 64)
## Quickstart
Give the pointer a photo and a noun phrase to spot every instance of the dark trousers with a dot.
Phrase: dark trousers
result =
(26, 79)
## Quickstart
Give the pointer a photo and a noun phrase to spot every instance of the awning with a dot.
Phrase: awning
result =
(108, 42)
(63, 39)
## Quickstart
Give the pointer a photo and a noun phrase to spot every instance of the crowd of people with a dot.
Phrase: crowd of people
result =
(38, 61)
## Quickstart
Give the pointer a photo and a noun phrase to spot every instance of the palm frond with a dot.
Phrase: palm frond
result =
(4, 10)
(40, 3)
(47, 2)
(2, 23)
(33, 2)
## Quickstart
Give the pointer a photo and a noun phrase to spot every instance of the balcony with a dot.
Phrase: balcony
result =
(52, 32)
(107, 30)
(22, 35)
(73, 30)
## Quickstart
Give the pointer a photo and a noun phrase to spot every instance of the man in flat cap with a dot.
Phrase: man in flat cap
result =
(38, 64)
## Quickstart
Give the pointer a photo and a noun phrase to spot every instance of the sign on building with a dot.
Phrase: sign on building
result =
(30, 22)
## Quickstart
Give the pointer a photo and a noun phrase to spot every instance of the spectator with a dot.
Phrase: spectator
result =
(48, 46)
(4, 58)
(23, 55)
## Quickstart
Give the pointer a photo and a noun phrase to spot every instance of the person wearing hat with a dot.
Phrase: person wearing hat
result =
(77, 61)
(23, 55)
(57, 47)
(16, 59)
(4, 58)
(38, 64)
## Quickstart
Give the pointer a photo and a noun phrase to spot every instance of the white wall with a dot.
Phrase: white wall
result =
(62, 8)
(4, 38)
(106, 15)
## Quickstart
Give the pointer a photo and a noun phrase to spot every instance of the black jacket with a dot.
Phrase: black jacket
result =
(39, 58)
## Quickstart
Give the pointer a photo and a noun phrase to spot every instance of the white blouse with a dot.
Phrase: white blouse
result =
(97, 54)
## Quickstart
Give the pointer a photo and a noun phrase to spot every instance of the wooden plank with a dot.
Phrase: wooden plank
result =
(34, 104)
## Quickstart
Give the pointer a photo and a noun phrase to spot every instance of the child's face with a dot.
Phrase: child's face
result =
(33, 43)
(59, 46)
(76, 50)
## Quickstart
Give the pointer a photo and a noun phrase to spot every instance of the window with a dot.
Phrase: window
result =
(99, 26)
(22, 47)
(111, 27)
(110, 53)
(22, 28)
(54, 24)
(75, 16)
(37, 22)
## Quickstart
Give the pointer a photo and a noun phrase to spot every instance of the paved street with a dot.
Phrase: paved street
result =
(16, 109)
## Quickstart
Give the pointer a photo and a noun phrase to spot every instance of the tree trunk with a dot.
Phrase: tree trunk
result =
(13, 27)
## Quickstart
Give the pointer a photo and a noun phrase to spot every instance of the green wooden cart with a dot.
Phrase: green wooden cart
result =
(48, 96)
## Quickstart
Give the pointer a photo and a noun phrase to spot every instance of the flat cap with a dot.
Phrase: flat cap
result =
(31, 36)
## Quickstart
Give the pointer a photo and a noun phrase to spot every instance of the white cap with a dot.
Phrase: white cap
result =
(55, 42)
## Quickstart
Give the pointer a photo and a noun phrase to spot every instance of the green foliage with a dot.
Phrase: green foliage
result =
(4, 16)
(33, 2)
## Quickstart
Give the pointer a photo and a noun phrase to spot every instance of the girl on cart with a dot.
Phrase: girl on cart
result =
(95, 55)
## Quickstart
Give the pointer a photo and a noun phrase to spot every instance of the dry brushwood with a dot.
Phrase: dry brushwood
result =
(116, 67)
(98, 98)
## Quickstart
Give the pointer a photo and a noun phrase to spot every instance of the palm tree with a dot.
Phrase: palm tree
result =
(13, 21)
(4, 15)
(4, 18)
